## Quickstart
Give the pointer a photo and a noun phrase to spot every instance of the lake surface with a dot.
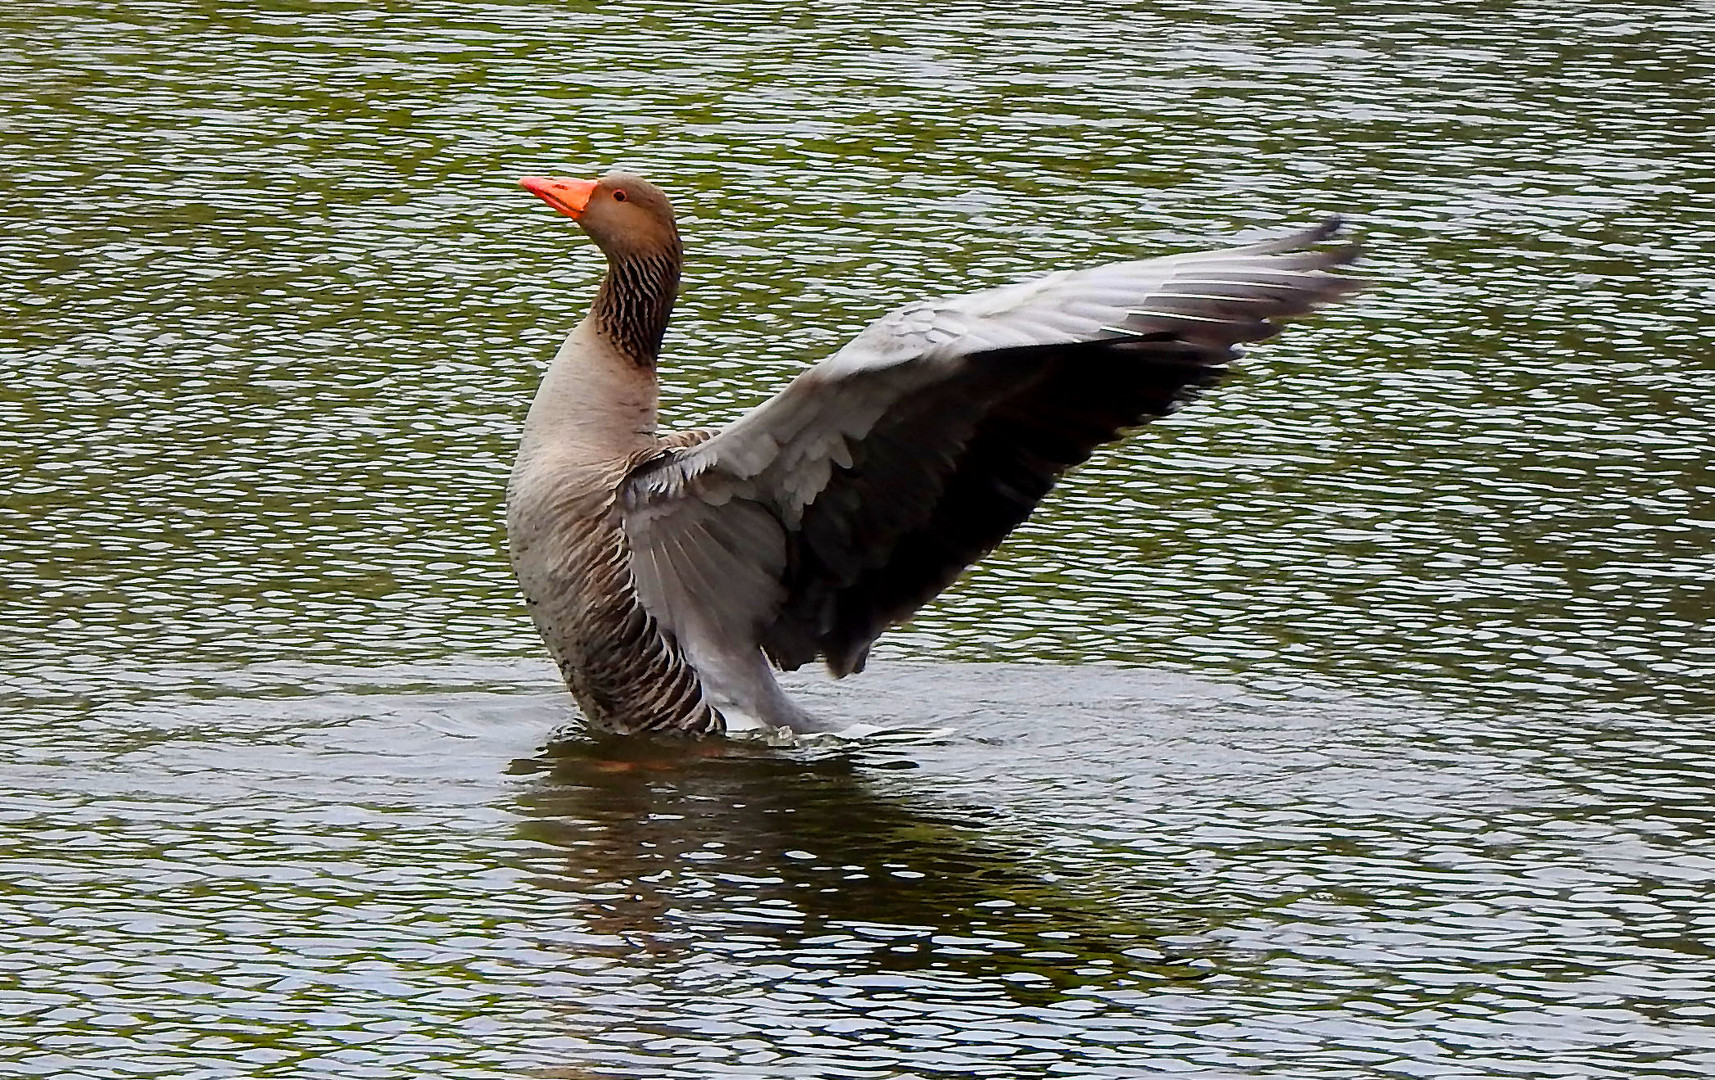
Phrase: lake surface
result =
(1357, 721)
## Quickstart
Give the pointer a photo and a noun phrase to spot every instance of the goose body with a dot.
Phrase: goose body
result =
(670, 575)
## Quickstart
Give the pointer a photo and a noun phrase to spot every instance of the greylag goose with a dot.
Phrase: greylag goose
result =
(669, 574)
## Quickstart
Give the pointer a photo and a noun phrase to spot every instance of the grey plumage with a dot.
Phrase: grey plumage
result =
(844, 503)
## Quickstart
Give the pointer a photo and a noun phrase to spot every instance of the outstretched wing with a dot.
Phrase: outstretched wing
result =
(844, 503)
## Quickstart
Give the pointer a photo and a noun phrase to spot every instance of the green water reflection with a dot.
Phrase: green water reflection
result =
(803, 857)
(1433, 804)
(273, 312)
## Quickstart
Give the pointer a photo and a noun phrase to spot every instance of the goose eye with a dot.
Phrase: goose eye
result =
(618, 194)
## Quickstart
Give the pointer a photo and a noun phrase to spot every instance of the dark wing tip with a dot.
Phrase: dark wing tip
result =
(1329, 228)
(1326, 229)
(1303, 245)
(1298, 241)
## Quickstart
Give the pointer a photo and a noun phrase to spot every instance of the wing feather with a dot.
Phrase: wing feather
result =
(842, 504)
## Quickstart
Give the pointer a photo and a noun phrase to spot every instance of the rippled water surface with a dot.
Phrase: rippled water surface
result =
(1354, 722)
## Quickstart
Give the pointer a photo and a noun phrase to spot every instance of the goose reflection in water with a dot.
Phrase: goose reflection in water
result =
(797, 859)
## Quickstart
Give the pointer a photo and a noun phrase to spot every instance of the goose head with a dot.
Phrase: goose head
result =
(623, 213)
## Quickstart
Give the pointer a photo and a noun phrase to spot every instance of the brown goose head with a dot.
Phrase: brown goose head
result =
(632, 222)
(626, 215)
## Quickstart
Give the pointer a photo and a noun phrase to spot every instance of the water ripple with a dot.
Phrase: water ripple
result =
(272, 310)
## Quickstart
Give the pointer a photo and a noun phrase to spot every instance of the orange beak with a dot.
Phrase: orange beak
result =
(569, 197)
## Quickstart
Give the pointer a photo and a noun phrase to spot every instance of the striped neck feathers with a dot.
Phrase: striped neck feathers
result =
(635, 299)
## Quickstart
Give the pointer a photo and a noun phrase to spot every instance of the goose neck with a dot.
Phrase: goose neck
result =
(635, 300)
